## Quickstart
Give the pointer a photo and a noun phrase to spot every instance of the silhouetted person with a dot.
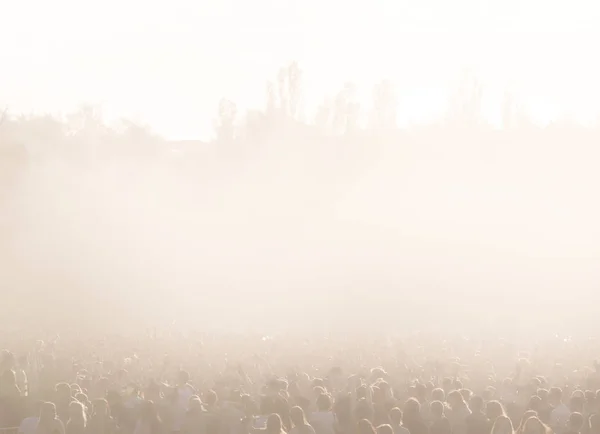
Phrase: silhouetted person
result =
(502, 425)
(412, 419)
(323, 420)
(439, 422)
(149, 421)
(77, 419)
(365, 427)
(560, 413)
(48, 422)
(195, 418)
(477, 422)
(594, 424)
(101, 422)
(575, 423)
(458, 412)
(299, 423)
(396, 421)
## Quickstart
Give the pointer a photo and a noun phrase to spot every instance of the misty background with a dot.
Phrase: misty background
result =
(445, 227)
(415, 167)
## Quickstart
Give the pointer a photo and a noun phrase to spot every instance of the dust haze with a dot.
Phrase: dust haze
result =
(434, 228)
(337, 216)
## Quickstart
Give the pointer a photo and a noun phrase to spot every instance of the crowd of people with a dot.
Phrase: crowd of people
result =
(197, 383)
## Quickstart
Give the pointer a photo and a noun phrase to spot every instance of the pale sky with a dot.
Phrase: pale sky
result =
(168, 63)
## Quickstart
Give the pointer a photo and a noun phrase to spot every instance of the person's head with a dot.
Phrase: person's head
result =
(594, 423)
(420, 392)
(318, 390)
(365, 427)
(543, 394)
(447, 384)
(437, 409)
(63, 392)
(534, 425)
(34, 408)
(318, 382)
(297, 416)
(47, 412)
(75, 389)
(378, 373)
(456, 399)
(507, 384)
(590, 396)
(438, 395)
(323, 402)
(9, 378)
(361, 392)
(272, 387)
(77, 411)
(294, 389)
(466, 394)
(489, 393)
(378, 395)
(148, 411)
(396, 416)
(502, 425)
(535, 403)
(195, 403)
(577, 403)
(555, 396)
(7, 360)
(476, 404)
(100, 407)
(494, 410)
(274, 424)
(526, 415)
(83, 398)
(183, 378)
(153, 391)
(211, 398)
(23, 361)
(412, 409)
(363, 410)
(385, 429)
(575, 422)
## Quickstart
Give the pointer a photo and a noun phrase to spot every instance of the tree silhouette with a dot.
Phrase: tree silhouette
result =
(86, 120)
(294, 82)
(271, 100)
(385, 106)
(508, 108)
(346, 110)
(324, 115)
(3, 116)
(282, 89)
(225, 125)
(465, 104)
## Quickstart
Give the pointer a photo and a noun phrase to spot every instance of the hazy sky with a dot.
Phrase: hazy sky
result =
(168, 63)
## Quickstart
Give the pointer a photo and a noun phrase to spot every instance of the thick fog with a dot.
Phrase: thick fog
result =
(308, 235)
